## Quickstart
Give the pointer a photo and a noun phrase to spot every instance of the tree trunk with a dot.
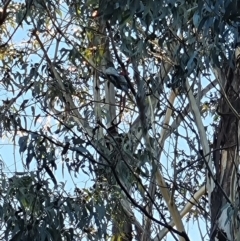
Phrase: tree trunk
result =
(122, 226)
(224, 200)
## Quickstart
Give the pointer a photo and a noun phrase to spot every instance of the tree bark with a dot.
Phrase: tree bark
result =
(224, 197)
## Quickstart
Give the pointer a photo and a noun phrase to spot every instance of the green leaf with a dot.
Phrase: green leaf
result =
(36, 118)
(22, 142)
(59, 12)
(33, 110)
(196, 19)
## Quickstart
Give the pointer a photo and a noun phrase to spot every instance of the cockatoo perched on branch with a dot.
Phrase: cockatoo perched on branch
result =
(117, 79)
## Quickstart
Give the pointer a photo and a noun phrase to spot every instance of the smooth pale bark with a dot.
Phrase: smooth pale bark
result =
(167, 133)
(193, 201)
(159, 177)
(202, 134)
(121, 227)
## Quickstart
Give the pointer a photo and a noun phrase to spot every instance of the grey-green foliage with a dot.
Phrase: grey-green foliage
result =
(31, 209)
(191, 35)
(194, 34)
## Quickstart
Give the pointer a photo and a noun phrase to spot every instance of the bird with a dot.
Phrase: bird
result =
(118, 80)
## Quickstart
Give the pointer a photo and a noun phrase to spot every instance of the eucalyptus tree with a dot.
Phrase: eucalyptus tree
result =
(139, 97)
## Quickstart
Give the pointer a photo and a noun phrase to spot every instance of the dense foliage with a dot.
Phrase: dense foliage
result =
(141, 153)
